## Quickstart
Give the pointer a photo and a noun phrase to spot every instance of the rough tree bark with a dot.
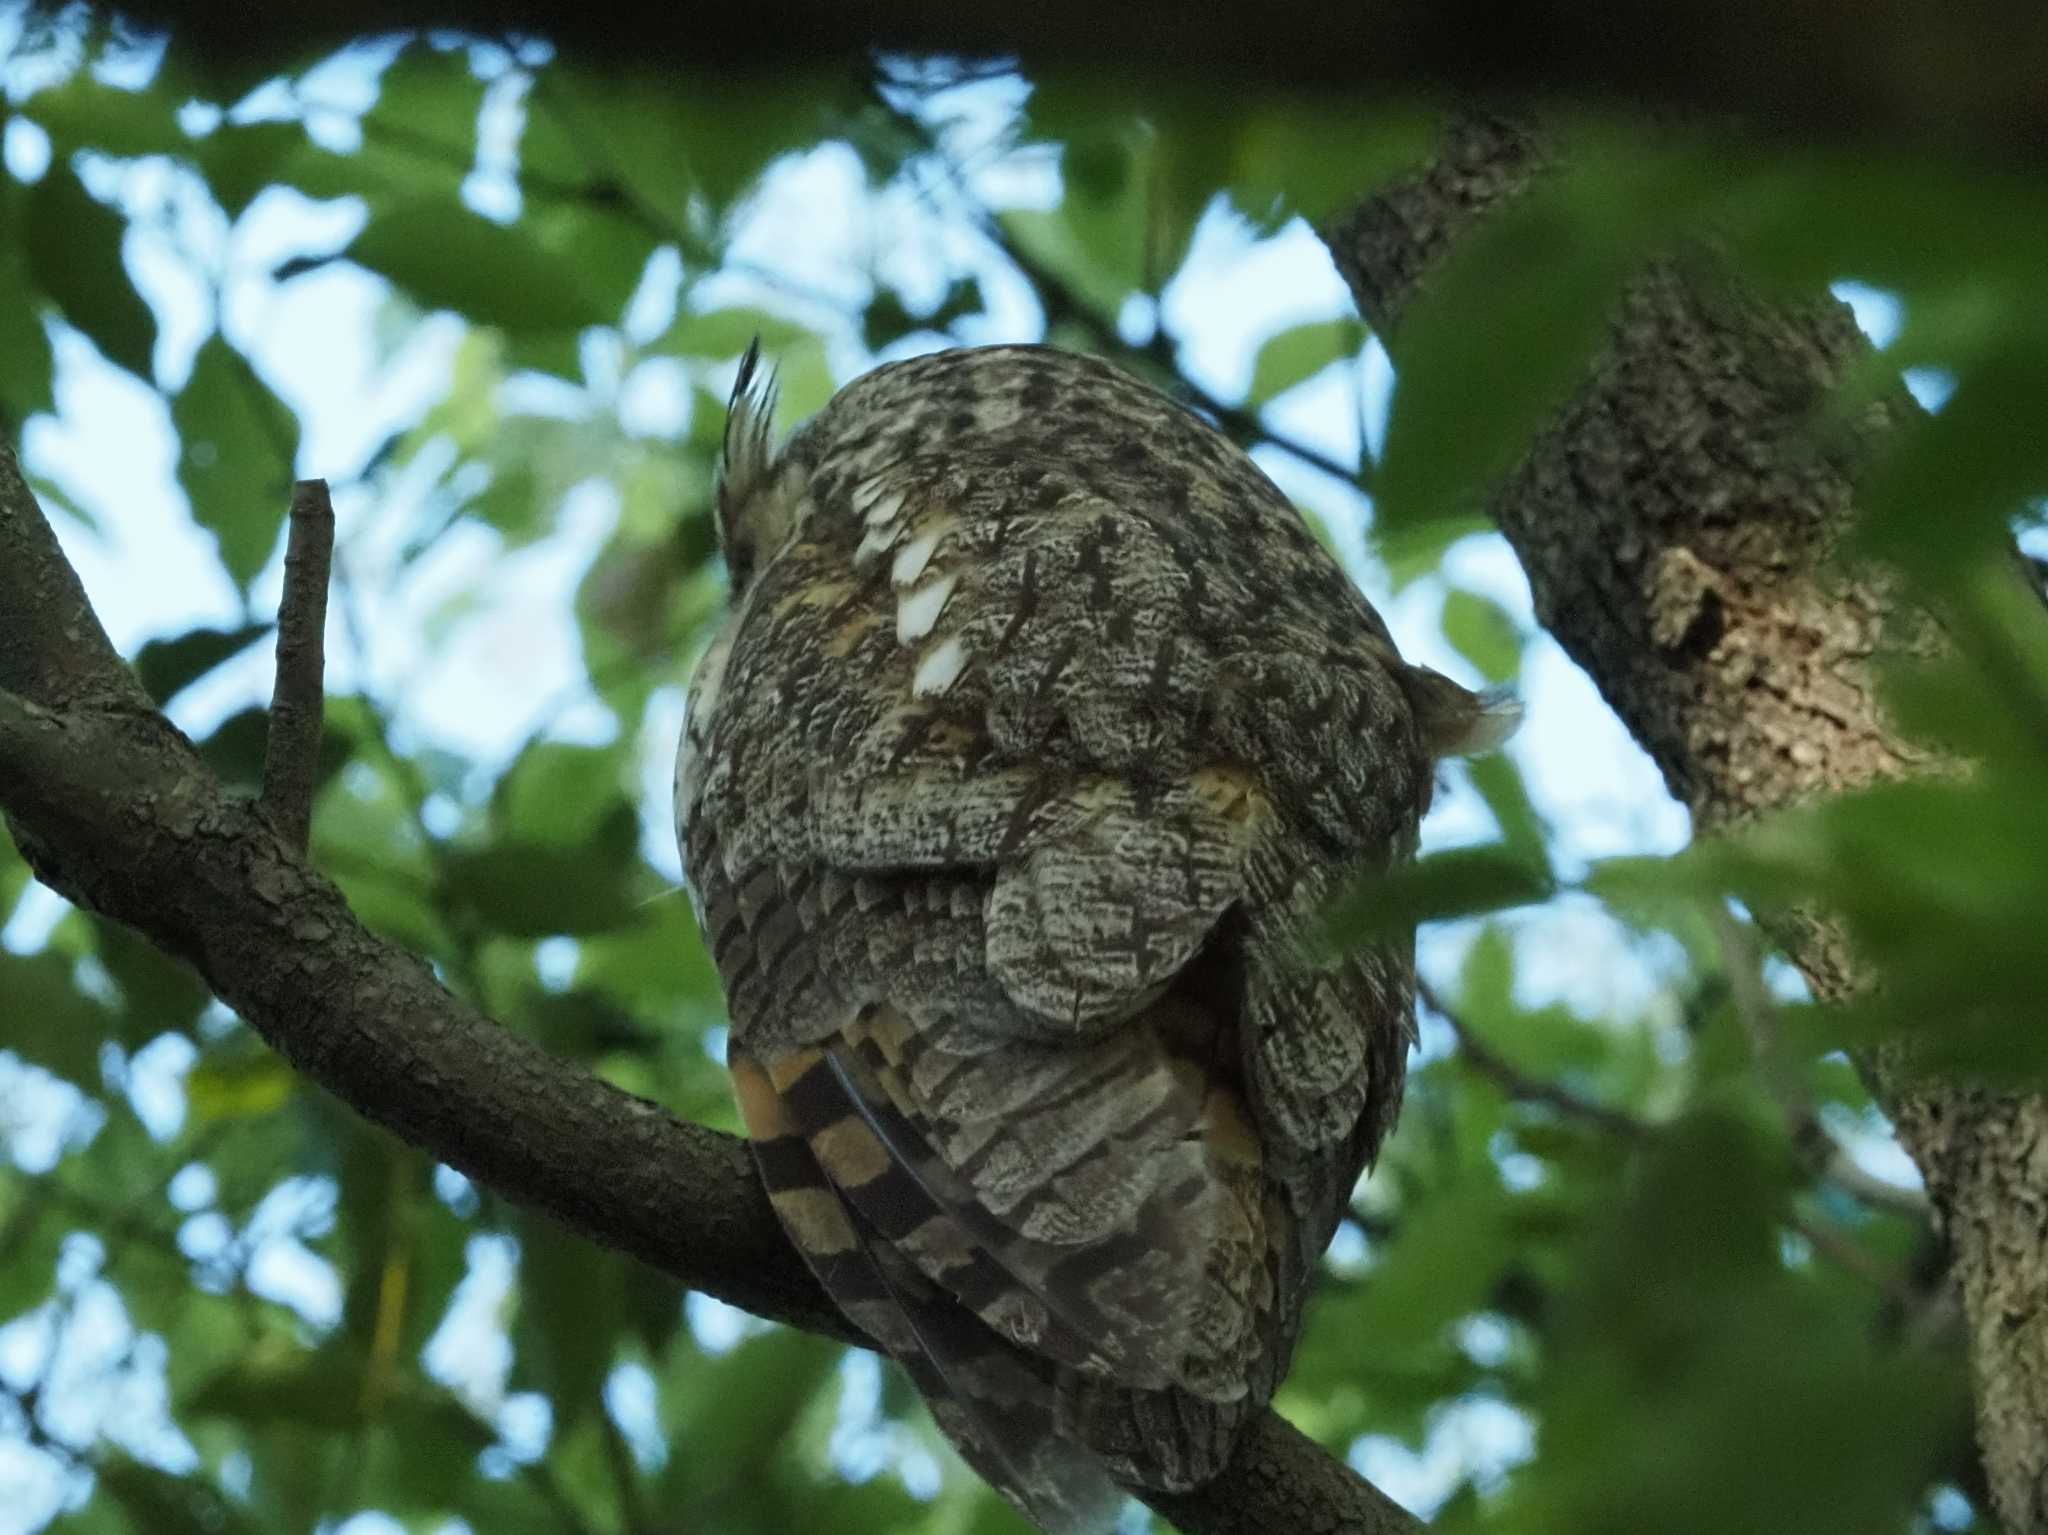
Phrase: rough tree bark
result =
(1692, 566)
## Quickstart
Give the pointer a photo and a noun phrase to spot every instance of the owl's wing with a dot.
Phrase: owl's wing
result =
(992, 1063)
(979, 939)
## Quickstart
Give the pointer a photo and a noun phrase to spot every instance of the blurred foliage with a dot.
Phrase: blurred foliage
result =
(1598, 1281)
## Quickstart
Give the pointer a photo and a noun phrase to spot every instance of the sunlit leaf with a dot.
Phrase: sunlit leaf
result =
(1483, 634)
(726, 333)
(1298, 353)
(239, 1088)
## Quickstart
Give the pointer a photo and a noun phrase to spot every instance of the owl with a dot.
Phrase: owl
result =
(1038, 731)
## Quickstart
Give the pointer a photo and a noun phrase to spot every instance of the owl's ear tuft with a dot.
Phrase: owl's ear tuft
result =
(749, 418)
(752, 522)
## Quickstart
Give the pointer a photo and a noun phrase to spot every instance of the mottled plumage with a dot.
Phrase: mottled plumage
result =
(1038, 727)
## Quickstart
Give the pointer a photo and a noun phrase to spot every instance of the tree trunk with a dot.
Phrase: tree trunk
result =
(1681, 532)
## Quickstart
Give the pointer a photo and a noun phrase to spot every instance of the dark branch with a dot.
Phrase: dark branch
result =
(1910, 71)
(127, 821)
(291, 752)
(1519, 1084)
(1279, 1481)
(52, 648)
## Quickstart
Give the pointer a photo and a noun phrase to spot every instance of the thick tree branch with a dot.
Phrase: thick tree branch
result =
(1693, 565)
(1915, 71)
(117, 812)
(291, 751)
(52, 648)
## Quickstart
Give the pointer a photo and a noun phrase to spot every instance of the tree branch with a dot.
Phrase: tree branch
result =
(1696, 571)
(1914, 71)
(1519, 1085)
(291, 751)
(52, 648)
(125, 819)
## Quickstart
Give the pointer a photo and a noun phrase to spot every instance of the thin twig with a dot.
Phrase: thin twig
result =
(1817, 1147)
(1853, 1258)
(1520, 1085)
(291, 754)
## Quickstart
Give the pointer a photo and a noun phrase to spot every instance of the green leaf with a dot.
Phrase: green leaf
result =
(322, 1391)
(244, 1087)
(1458, 883)
(423, 1454)
(1442, 1265)
(427, 104)
(1801, 218)
(659, 968)
(607, 249)
(401, 1250)
(86, 113)
(737, 1412)
(490, 274)
(1755, 1398)
(1298, 353)
(241, 159)
(50, 1020)
(1101, 272)
(1136, 182)
(32, 1232)
(556, 794)
(726, 333)
(237, 446)
(690, 136)
(14, 878)
(1505, 331)
(168, 666)
(1965, 466)
(74, 256)
(26, 362)
(571, 1315)
(235, 749)
(158, 993)
(1318, 155)
(1481, 631)
(158, 1503)
(1499, 782)
(534, 890)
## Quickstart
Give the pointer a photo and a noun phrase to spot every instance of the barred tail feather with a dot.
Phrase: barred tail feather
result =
(996, 1404)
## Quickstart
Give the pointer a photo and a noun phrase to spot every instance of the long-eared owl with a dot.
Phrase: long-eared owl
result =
(1038, 731)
